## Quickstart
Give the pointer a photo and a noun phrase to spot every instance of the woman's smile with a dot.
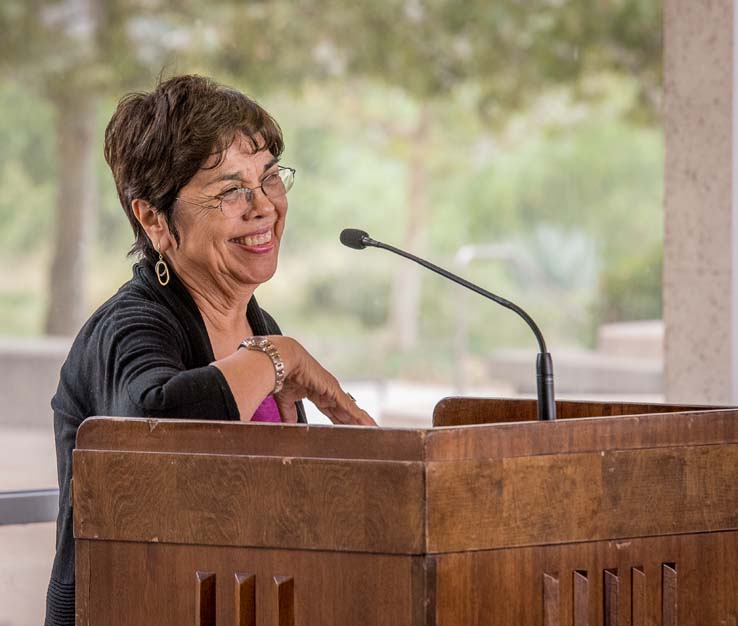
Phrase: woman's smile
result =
(259, 243)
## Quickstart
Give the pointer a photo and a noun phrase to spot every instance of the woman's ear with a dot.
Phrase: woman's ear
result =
(154, 223)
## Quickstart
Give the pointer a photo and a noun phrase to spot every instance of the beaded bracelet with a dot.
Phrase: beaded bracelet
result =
(263, 344)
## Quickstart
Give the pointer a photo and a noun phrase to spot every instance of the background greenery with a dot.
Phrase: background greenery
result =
(431, 125)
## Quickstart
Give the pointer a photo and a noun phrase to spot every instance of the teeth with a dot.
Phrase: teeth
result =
(255, 240)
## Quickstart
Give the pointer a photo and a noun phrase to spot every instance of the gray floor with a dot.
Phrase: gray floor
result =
(27, 551)
(27, 461)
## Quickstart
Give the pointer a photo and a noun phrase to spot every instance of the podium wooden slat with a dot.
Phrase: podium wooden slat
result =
(466, 411)
(504, 440)
(245, 599)
(611, 597)
(205, 589)
(244, 438)
(482, 505)
(321, 504)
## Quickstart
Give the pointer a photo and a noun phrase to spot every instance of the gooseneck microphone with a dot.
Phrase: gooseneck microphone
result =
(359, 239)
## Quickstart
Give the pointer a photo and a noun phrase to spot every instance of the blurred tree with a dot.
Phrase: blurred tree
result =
(50, 46)
(54, 47)
(75, 51)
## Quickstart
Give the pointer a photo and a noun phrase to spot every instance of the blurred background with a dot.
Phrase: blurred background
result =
(518, 144)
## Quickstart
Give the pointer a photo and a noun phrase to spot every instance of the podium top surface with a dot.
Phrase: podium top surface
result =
(510, 432)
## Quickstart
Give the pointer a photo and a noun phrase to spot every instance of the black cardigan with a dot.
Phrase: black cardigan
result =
(144, 353)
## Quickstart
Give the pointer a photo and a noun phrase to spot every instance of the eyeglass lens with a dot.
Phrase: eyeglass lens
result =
(274, 186)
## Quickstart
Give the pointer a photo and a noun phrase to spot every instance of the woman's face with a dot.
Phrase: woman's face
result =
(236, 251)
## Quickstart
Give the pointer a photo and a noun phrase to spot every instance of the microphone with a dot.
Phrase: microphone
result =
(359, 239)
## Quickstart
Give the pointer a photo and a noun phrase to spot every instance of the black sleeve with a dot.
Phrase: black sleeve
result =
(147, 351)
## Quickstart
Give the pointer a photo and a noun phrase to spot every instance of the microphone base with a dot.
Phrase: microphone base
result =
(545, 384)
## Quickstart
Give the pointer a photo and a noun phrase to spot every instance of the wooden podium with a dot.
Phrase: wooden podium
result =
(613, 515)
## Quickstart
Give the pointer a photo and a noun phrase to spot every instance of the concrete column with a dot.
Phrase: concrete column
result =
(700, 283)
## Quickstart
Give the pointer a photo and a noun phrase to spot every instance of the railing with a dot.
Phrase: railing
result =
(28, 507)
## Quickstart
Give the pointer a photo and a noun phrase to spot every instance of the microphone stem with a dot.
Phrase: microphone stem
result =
(465, 283)
(544, 363)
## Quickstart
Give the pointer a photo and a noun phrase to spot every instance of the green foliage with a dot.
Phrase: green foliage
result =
(24, 211)
(27, 171)
(631, 289)
(20, 312)
(367, 304)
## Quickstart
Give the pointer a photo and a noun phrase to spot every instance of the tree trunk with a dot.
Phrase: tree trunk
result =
(75, 132)
(405, 311)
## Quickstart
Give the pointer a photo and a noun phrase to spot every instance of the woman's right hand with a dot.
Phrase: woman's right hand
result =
(306, 378)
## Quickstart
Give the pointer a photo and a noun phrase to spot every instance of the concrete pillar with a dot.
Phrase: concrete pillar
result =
(700, 283)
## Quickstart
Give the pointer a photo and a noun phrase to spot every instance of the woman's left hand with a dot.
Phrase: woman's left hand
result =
(306, 378)
(332, 401)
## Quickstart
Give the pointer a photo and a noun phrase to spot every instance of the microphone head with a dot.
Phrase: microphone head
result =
(354, 238)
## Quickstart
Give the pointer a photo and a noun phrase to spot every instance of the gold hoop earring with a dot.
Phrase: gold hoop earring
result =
(162, 271)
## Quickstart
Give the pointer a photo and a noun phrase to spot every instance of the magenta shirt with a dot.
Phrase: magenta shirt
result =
(267, 411)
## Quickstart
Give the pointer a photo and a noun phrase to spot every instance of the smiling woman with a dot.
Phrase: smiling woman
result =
(240, 241)
(196, 166)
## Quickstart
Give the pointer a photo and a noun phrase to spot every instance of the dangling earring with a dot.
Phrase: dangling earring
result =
(162, 271)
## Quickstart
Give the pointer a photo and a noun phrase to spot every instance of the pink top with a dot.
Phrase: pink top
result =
(267, 411)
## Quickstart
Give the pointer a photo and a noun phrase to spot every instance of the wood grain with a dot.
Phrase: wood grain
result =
(245, 596)
(638, 597)
(424, 586)
(611, 593)
(283, 601)
(467, 411)
(582, 435)
(139, 583)
(82, 582)
(608, 495)
(511, 579)
(205, 598)
(551, 600)
(669, 594)
(580, 598)
(245, 438)
(453, 526)
(661, 429)
(250, 501)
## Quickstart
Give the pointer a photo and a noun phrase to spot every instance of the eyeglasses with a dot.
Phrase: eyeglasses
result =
(237, 200)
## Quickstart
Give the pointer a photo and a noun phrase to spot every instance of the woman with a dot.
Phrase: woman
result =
(196, 166)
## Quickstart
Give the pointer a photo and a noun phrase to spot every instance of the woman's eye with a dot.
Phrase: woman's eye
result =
(230, 194)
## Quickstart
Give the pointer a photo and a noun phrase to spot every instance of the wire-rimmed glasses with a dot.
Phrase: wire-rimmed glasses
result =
(236, 201)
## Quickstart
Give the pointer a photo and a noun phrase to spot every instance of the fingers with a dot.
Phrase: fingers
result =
(342, 409)
(306, 378)
(364, 419)
(356, 414)
(287, 408)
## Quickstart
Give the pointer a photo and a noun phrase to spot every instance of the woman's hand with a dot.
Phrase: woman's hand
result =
(306, 378)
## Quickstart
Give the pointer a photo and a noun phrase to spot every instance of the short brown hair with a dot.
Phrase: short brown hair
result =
(157, 141)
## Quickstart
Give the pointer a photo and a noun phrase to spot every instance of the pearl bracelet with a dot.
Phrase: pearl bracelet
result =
(263, 344)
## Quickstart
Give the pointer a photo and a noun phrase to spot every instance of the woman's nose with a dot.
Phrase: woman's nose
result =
(261, 204)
